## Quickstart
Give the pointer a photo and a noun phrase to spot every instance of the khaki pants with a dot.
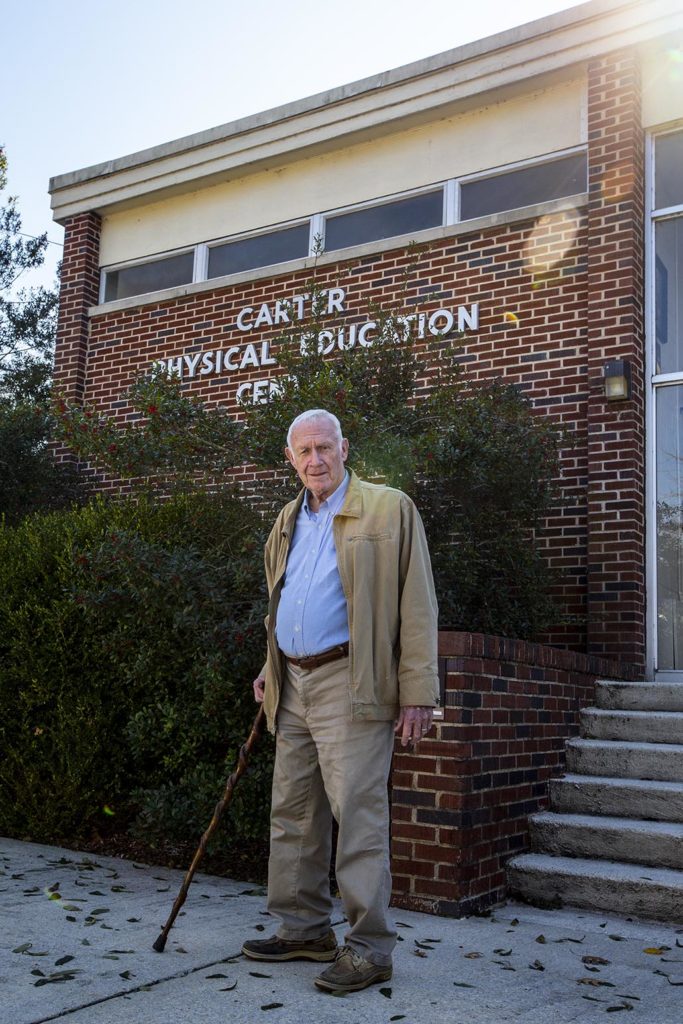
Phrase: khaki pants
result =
(326, 764)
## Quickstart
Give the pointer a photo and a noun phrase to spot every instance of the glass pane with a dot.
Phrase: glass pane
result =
(669, 170)
(524, 187)
(148, 277)
(259, 251)
(669, 295)
(670, 527)
(373, 222)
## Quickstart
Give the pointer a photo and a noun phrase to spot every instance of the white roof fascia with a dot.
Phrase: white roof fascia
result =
(384, 103)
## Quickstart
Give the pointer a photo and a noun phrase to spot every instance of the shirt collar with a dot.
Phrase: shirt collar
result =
(331, 504)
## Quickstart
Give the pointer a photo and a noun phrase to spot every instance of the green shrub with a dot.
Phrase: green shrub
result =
(129, 635)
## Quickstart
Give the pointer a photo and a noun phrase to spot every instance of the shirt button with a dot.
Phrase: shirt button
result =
(297, 629)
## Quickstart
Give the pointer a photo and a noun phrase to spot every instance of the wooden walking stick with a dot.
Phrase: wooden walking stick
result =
(242, 762)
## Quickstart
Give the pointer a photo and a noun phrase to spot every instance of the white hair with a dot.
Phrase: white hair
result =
(314, 414)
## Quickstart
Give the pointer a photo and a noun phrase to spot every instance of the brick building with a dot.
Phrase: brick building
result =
(543, 170)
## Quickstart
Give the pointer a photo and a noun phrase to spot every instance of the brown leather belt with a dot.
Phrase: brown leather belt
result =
(316, 660)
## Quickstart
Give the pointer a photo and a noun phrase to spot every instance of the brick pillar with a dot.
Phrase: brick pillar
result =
(80, 281)
(616, 443)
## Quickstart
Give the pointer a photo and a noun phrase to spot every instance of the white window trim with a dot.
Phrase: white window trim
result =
(201, 262)
(655, 382)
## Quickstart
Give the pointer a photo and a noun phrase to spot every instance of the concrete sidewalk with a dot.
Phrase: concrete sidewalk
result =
(77, 934)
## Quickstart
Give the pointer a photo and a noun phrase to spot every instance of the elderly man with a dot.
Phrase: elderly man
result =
(352, 630)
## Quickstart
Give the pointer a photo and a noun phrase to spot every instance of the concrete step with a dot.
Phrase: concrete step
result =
(656, 843)
(625, 798)
(619, 759)
(639, 696)
(633, 726)
(629, 889)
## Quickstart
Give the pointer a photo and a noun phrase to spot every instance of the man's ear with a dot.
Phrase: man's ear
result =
(345, 449)
(289, 454)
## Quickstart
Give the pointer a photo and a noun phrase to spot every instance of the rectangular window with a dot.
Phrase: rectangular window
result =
(525, 186)
(373, 222)
(669, 295)
(148, 277)
(669, 418)
(259, 251)
(669, 171)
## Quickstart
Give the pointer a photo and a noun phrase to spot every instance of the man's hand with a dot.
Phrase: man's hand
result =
(412, 724)
(259, 685)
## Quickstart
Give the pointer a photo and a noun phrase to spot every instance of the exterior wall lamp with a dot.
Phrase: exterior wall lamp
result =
(617, 379)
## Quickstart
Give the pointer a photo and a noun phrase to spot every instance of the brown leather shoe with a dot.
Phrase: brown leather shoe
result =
(275, 948)
(351, 972)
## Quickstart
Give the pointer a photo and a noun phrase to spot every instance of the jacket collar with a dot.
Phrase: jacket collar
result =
(353, 505)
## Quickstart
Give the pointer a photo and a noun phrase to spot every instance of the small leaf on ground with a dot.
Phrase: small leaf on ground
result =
(133, 920)
(212, 977)
(503, 952)
(402, 924)
(100, 910)
(617, 938)
(537, 966)
(514, 921)
(271, 1006)
(398, 1016)
(63, 960)
(541, 939)
(422, 945)
(463, 984)
(255, 974)
(228, 988)
(126, 975)
(656, 950)
(386, 992)
(595, 982)
(23, 948)
(595, 960)
(473, 955)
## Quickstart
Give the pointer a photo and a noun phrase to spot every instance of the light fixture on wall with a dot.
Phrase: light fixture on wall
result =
(617, 378)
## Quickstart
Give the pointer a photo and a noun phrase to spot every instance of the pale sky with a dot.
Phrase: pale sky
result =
(82, 81)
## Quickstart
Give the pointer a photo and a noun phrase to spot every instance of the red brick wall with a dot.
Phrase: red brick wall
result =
(573, 281)
(460, 804)
(616, 441)
(79, 289)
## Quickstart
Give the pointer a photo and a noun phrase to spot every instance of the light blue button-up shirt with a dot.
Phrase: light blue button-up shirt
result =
(312, 614)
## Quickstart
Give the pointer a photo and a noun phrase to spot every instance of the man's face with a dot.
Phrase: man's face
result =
(318, 456)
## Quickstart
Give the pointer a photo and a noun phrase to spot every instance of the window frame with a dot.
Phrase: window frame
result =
(375, 204)
(254, 233)
(143, 261)
(519, 165)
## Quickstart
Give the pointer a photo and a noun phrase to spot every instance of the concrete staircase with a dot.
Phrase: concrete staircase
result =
(613, 838)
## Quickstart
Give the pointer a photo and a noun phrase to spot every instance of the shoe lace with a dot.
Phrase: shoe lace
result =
(357, 961)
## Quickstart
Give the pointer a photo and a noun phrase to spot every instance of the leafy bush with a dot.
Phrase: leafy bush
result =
(129, 635)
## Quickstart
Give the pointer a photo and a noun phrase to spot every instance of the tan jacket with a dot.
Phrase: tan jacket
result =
(386, 577)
